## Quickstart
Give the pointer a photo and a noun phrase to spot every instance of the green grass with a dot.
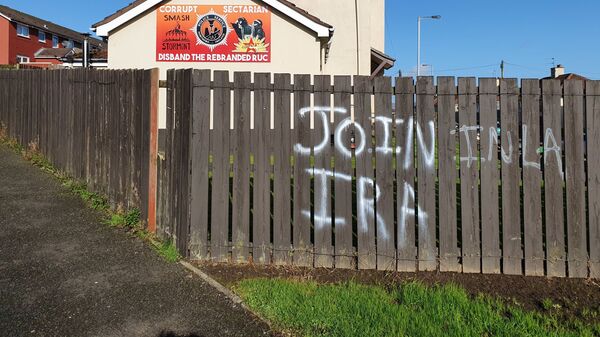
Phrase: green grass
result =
(168, 251)
(309, 309)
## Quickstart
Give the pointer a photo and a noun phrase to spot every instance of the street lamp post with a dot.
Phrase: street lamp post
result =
(433, 17)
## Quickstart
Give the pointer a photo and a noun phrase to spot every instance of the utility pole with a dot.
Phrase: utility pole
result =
(502, 69)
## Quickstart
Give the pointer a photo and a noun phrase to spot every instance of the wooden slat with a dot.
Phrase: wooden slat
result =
(185, 127)
(176, 162)
(406, 208)
(512, 253)
(343, 173)
(241, 167)
(469, 176)
(221, 167)
(426, 174)
(200, 154)
(532, 179)
(282, 195)
(302, 179)
(593, 156)
(322, 167)
(384, 134)
(365, 183)
(166, 200)
(553, 178)
(575, 173)
(447, 134)
(261, 140)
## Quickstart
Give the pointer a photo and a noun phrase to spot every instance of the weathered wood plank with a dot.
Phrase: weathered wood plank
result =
(303, 256)
(532, 179)
(199, 199)
(553, 179)
(343, 173)
(469, 175)
(261, 138)
(220, 139)
(241, 167)
(426, 174)
(282, 192)
(322, 151)
(406, 208)
(365, 182)
(447, 133)
(384, 175)
(575, 174)
(512, 253)
(592, 90)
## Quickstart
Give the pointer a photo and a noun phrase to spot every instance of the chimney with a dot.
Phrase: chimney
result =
(557, 71)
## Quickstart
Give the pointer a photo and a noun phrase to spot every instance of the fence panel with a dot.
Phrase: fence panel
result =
(447, 133)
(365, 187)
(512, 253)
(575, 173)
(282, 191)
(345, 136)
(384, 175)
(66, 116)
(219, 142)
(532, 179)
(554, 178)
(374, 181)
(592, 89)
(469, 175)
(261, 140)
(406, 196)
(323, 225)
(241, 167)
(426, 174)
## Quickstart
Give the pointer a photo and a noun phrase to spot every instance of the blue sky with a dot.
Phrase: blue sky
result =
(472, 34)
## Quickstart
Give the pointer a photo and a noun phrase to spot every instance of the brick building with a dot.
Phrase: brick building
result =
(25, 39)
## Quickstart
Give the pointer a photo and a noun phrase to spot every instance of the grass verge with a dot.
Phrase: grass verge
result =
(309, 309)
(130, 220)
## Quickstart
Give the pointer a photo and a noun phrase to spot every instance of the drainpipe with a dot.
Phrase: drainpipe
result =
(86, 50)
(357, 39)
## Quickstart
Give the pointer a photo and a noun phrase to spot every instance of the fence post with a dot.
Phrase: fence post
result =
(153, 149)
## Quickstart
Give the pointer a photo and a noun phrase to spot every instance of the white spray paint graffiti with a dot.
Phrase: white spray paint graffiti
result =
(551, 145)
(526, 163)
(466, 131)
(369, 193)
(406, 211)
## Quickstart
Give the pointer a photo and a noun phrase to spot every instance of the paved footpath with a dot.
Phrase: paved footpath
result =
(64, 273)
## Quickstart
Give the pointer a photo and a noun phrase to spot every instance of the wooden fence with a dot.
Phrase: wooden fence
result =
(467, 176)
(92, 124)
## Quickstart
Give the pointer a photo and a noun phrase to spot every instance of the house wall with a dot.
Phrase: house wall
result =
(350, 46)
(12, 45)
(293, 49)
(4, 40)
(26, 46)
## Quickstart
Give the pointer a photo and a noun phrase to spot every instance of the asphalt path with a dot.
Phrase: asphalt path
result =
(64, 273)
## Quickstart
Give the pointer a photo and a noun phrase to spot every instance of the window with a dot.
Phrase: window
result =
(22, 59)
(22, 30)
(42, 36)
(69, 44)
(55, 41)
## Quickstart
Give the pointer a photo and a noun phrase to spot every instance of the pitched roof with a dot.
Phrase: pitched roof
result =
(570, 76)
(138, 7)
(55, 53)
(47, 26)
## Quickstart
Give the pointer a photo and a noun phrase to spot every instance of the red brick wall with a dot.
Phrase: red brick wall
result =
(4, 46)
(26, 46)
